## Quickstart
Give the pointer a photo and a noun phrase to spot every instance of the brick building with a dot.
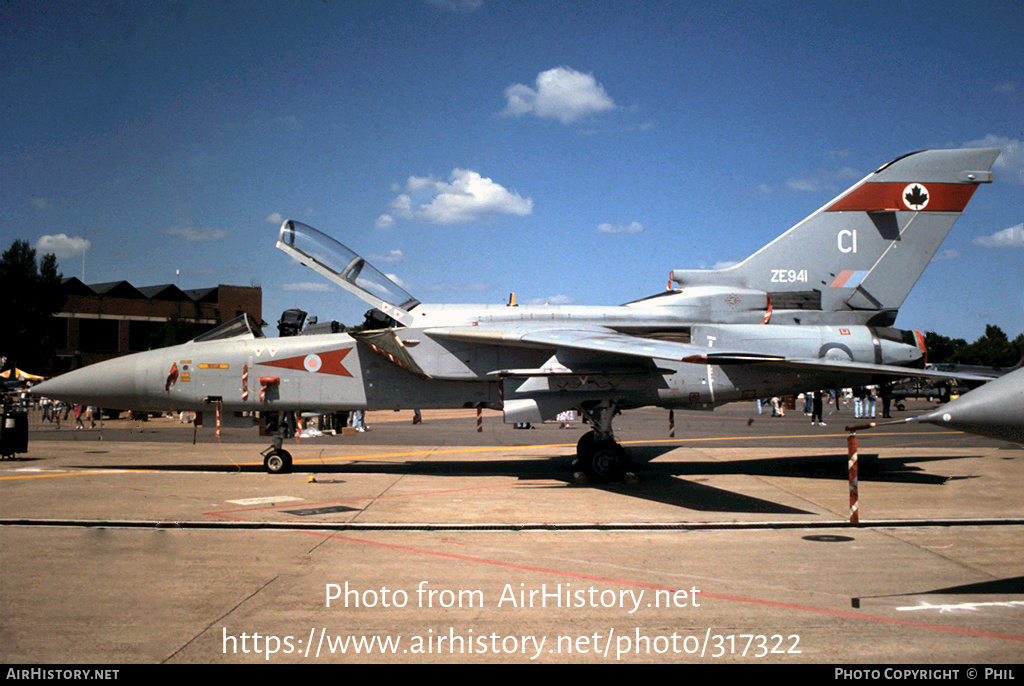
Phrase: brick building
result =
(105, 320)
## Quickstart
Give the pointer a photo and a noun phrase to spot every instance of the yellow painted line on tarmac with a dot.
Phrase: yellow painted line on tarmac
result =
(481, 449)
(44, 476)
(418, 453)
(762, 438)
(450, 451)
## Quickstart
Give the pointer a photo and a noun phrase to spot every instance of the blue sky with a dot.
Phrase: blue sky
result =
(569, 152)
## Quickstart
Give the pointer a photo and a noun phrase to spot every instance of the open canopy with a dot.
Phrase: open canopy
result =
(344, 267)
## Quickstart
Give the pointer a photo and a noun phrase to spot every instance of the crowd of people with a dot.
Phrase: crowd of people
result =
(864, 399)
(865, 403)
(55, 412)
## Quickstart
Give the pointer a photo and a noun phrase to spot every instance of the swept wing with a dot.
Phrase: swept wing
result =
(597, 339)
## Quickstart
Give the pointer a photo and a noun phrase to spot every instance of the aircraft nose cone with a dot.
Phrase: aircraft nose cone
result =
(110, 384)
(995, 410)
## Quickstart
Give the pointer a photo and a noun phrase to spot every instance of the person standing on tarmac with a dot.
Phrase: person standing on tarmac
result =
(816, 408)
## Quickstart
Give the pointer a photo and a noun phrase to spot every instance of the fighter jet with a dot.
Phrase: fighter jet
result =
(813, 309)
(995, 410)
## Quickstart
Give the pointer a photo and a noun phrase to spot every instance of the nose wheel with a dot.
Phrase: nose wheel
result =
(277, 461)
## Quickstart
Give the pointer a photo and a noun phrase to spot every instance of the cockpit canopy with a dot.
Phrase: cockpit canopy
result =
(241, 326)
(344, 267)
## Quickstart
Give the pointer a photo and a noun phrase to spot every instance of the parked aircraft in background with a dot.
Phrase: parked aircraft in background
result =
(811, 310)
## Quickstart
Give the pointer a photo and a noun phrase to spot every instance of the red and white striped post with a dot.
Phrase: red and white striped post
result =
(479, 420)
(245, 382)
(671, 424)
(851, 445)
(217, 432)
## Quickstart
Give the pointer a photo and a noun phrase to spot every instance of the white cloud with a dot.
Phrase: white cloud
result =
(41, 203)
(274, 218)
(63, 246)
(561, 93)
(632, 227)
(803, 185)
(824, 180)
(946, 255)
(849, 173)
(192, 234)
(398, 281)
(1012, 237)
(392, 256)
(402, 205)
(384, 221)
(457, 6)
(468, 196)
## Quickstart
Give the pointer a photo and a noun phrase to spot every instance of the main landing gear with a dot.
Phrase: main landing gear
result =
(602, 459)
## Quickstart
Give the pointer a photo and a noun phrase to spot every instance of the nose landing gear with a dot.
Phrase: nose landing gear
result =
(277, 460)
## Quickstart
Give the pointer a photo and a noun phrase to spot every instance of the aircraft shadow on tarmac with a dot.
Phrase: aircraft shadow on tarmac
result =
(667, 482)
(1009, 586)
(1013, 585)
(664, 481)
(826, 466)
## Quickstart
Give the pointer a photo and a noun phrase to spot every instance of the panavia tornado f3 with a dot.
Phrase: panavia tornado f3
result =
(813, 309)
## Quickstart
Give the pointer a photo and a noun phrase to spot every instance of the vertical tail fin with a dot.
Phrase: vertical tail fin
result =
(867, 248)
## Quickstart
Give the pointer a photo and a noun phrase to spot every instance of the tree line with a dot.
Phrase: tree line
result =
(994, 349)
(31, 295)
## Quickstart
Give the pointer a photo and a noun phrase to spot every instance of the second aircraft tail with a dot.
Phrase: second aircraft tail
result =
(864, 250)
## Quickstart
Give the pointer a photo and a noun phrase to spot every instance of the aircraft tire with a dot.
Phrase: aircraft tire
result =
(585, 446)
(606, 462)
(278, 462)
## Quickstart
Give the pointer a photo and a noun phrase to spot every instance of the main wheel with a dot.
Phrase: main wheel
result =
(607, 462)
(278, 462)
(585, 446)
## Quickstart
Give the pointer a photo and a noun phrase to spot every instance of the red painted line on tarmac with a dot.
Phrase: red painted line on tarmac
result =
(845, 614)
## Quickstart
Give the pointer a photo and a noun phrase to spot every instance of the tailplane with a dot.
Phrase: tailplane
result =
(864, 250)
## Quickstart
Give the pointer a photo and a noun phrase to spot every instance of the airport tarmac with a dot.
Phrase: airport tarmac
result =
(436, 543)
